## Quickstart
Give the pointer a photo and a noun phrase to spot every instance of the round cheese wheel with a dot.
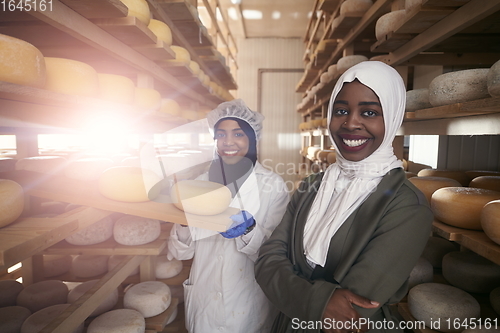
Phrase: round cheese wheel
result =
(461, 206)
(166, 269)
(436, 248)
(476, 173)
(118, 321)
(325, 77)
(42, 164)
(173, 316)
(115, 260)
(410, 4)
(350, 6)
(87, 266)
(459, 176)
(87, 168)
(146, 98)
(38, 320)
(71, 77)
(189, 114)
(95, 233)
(486, 182)
(129, 184)
(9, 289)
(332, 70)
(458, 87)
(150, 298)
(138, 9)
(195, 68)
(434, 303)
(200, 197)
(42, 294)
(56, 264)
(181, 55)
(11, 201)
(12, 318)
(470, 272)
(107, 304)
(495, 299)
(134, 230)
(161, 30)
(493, 80)
(21, 62)
(331, 158)
(53, 207)
(116, 88)
(423, 272)
(388, 22)
(490, 220)
(417, 99)
(7, 164)
(429, 185)
(410, 174)
(347, 62)
(322, 155)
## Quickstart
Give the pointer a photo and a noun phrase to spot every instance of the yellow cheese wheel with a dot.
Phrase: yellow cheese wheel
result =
(200, 197)
(129, 184)
(139, 9)
(161, 30)
(116, 88)
(146, 98)
(189, 114)
(195, 67)
(486, 182)
(71, 77)
(476, 173)
(331, 158)
(429, 185)
(170, 106)
(11, 201)
(322, 155)
(490, 220)
(461, 206)
(181, 55)
(459, 176)
(21, 62)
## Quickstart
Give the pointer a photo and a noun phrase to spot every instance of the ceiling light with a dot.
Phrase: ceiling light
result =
(251, 14)
(235, 2)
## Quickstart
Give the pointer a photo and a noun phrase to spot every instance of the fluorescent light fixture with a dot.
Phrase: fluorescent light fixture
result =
(233, 14)
(276, 15)
(235, 2)
(251, 14)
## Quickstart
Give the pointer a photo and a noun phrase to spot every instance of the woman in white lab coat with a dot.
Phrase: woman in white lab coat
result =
(221, 293)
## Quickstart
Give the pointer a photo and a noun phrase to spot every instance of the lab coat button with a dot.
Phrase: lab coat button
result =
(219, 257)
(219, 295)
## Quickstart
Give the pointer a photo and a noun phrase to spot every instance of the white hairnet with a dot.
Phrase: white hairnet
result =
(236, 109)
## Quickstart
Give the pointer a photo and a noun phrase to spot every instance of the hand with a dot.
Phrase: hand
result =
(241, 222)
(340, 308)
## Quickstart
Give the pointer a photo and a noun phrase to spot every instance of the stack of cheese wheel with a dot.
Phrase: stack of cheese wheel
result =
(182, 56)
(322, 155)
(56, 264)
(495, 300)
(189, 114)
(486, 182)
(166, 269)
(347, 62)
(311, 152)
(71, 77)
(353, 6)
(95, 233)
(417, 99)
(170, 107)
(325, 77)
(87, 266)
(38, 320)
(493, 80)
(459, 176)
(115, 260)
(118, 321)
(429, 185)
(461, 206)
(116, 88)
(388, 22)
(490, 220)
(129, 184)
(138, 9)
(11, 201)
(9, 289)
(477, 173)
(422, 272)
(147, 98)
(42, 164)
(324, 123)
(107, 304)
(12, 318)
(331, 157)
(332, 70)
(470, 272)
(87, 169)
(435, 304)
(200, 197)
(135, 230)
(436, 248)
(458, 87)
(150, 298)
(161, 30)
(42, 294)
(195, 69)
(21, 63)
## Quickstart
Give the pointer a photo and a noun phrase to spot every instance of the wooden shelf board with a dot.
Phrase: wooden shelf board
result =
(482, 245)
(158, 323)
(98, 8)
(194, 33)
(328, 5)
(128, 30)
(444, 3)
(347, 22)
(477, 107)
(390, 42)
(155, 52)
(421, 18)
(178, 10)
(85, 193)
(451, 233)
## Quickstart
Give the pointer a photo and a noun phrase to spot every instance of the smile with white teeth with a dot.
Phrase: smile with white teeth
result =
(354, 143)
(232, 152)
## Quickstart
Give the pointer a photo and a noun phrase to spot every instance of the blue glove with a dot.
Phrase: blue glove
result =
(241, 222)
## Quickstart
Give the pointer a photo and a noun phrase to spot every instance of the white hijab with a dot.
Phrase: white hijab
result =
(346, 184)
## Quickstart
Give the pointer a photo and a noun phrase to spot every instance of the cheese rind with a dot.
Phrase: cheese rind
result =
(21, 63)
(347, 62)
(9, 289)
(146, 98)
(11, 201)
(71, 77)
(349, 6)
(429, 185)
(134, 230)
(95, 233)
(161, 30)
(118, 321)
(107, 304)
(56, 264)
(150, 298)
(38, 320)
(493, 80)
(387, 22)
(42, 294)
(86, 266)
(459, 176)
(200, 197)
(417, 99)
(490, 220)
(114, 260)
(138, 9)
(116, 88)
(422, 272)
(12, 318)
(166, 269)
(486, 182)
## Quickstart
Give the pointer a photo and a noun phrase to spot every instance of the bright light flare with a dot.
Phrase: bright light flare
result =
(107, 135)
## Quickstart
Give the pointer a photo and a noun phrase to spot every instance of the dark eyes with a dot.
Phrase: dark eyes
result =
(344, 112)
(221, 135)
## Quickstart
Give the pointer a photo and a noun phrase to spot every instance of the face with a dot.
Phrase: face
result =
(232, 143)
(357, 121)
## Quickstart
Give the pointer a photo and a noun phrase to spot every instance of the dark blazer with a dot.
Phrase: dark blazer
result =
(372, 254)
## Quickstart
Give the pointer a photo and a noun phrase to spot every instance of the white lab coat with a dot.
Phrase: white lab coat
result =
(221, 294)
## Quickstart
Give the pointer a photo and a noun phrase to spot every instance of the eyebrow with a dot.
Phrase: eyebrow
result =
(340, 101)
(222, 130)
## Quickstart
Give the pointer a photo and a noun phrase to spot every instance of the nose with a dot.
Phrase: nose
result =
(352, 122)
(228, 141)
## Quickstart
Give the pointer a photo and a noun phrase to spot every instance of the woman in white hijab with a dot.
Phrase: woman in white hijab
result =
(351, 235)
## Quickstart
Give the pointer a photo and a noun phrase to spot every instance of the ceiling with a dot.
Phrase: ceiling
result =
(267, 18)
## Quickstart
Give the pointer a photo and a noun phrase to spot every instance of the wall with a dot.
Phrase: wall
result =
(269, 70)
